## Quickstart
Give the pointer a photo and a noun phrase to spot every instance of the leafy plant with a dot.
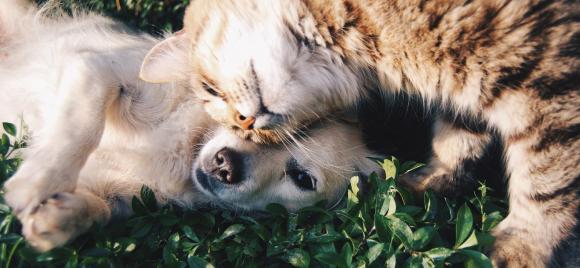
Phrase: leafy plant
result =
(379, 224)
(154, 16)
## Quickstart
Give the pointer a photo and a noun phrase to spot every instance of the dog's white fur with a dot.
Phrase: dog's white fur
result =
(98, 133)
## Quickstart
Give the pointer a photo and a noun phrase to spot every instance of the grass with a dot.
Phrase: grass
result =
(153, 16)
(379, 225)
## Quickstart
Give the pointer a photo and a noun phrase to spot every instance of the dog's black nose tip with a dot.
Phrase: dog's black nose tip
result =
(226, 166)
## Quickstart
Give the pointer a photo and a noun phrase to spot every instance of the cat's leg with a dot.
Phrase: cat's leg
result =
(544, 197)
(72, 130)
(457, 148)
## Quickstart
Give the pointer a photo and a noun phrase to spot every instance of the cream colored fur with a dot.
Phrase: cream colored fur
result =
(98, 133)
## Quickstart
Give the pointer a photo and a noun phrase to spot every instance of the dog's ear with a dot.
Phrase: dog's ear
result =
(167, 61)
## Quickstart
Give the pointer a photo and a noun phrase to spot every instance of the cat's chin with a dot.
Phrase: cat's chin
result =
(260, 136)
(283, 133)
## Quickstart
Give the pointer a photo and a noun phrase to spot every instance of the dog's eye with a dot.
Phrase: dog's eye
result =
(210, 90)
(302, 179)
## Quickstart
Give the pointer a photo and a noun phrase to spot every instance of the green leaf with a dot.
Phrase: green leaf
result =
(485, 239)
(383, 204)
(346, 254)
(391, 261)
(170, 251)
(328, 258)
(410, 166)
(148, 198)
(431, 205)
(325, 238)
(439, 254)
(392, 206)
(354, 185)
(374, 252)
(168, 220)
(353, 192)
(463, 225)
(188, 232)
(406, 218)
(422, 237)
(197, 262)
(72, 262)
(57, 254)
(401, 230)
(277, 210)
(96, 252)
(138, 207)
(410, 210)
(390, 169)
(414, 262)
(298, 258)
(9, 238)
(491, 220)
(470, 242)
(9, 128)
(174, 240)
(381, 227)
(232, 230)
(261, 231)
(475, 259)
(141, 229)
(313, 215)
(4, 144)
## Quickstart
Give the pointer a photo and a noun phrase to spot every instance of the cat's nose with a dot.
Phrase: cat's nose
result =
(244, 122)
(226, 166)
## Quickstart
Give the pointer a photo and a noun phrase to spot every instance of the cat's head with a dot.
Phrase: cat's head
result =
(261, 67)
(235, 173)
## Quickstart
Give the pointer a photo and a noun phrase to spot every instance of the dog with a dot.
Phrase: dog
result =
(97, 133)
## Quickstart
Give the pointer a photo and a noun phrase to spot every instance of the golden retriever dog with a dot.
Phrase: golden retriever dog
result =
(98, 133)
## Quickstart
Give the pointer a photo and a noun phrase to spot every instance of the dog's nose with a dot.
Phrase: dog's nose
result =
(226, 166)
(244, 122)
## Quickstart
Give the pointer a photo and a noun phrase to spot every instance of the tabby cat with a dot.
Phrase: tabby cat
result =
(269, 68)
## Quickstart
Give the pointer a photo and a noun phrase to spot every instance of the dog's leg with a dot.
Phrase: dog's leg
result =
(64, 216)
(72, 131)
(456, 150)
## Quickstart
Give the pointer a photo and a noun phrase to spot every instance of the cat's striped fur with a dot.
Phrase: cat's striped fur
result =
(511, 67)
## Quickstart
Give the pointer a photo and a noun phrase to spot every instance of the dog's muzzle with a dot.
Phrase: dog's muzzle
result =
(223, 170)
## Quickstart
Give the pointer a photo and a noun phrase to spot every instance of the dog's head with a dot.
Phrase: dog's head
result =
(239, 174)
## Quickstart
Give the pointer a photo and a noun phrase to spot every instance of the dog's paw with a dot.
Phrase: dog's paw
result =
(32, 184)
(56, 220)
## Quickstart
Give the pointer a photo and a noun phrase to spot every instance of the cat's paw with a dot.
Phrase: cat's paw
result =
(56, 220)
(511, 251)
(33, 183)
(425, 178)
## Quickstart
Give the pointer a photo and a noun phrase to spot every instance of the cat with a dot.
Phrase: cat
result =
(270, 68)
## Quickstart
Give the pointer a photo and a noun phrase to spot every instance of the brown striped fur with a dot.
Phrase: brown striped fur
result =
(510, 66)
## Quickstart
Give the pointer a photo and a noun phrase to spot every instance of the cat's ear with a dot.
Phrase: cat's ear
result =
(167, 61)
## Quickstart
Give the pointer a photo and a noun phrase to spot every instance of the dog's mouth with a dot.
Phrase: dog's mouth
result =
(205, 183)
